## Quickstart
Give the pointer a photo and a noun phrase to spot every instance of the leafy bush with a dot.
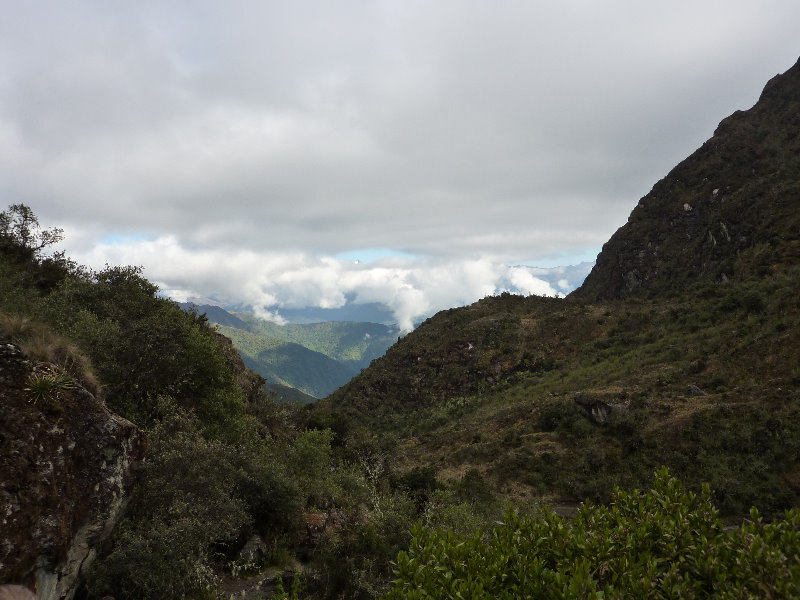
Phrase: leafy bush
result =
(186, 504)
(664, 543)
(143, 347)
(354, 560)
(198, 498)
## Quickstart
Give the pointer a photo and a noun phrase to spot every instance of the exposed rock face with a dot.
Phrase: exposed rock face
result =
(596, 410)
(65, 463)
(731, 210)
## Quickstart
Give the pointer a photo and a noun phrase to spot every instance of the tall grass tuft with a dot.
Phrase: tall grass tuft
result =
(38, 342)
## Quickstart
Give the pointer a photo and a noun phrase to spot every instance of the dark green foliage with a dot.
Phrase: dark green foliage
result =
(186, 504)
(355, 559)
(197, 498)
(215, 469)
(143, 346)
(22, 246)
(474, 488)
(664, 543)
(20, 235)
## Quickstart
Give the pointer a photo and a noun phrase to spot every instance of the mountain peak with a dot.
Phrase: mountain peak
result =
(728, 211)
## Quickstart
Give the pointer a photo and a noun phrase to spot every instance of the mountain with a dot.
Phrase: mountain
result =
(353, 312)
(657, 360)
(727, 212)
(681, 348)
(313, 358)
(288, 364)
(214, 314)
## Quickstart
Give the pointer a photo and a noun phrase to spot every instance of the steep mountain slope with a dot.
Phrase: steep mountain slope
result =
(681, 348)
(729, 211)
(288, 364)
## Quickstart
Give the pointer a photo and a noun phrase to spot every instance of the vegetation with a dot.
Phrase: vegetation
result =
(663, 543)
(705, 384)
(224, 461)
(683, 349)
(315, 358)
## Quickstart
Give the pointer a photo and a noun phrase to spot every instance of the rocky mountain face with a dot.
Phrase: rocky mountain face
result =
(681, 348)
(65, 466)
(729, 211)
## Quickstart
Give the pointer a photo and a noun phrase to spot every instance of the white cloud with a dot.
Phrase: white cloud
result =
(248, 140)
(410, 288)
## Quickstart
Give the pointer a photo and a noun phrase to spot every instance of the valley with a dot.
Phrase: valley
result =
(314, 359)
(658, 405)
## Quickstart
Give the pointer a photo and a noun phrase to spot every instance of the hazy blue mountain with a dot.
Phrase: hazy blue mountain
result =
(215, 314)
(372, 312)
(315, 358)
(296, 366)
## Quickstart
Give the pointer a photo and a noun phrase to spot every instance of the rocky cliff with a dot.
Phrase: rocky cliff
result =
(729, 211)
(65, 465)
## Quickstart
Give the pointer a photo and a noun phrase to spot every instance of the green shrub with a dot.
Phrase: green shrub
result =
(197, 500)
(664, 543)
(354, 560)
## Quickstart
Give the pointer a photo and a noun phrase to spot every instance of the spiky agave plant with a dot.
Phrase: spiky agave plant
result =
(46, 385)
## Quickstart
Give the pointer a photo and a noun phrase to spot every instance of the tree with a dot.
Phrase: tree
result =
(19, 230)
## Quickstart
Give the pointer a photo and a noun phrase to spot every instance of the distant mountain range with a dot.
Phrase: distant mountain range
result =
(314, 359)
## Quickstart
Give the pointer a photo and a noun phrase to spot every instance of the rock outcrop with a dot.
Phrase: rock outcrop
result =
(596, 409)
(65, 465)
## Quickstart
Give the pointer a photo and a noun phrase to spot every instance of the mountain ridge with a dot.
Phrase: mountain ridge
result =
(719, 214)
(688, 323)
(313, 358)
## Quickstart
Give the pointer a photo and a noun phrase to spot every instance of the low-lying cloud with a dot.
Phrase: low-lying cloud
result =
(412, 288)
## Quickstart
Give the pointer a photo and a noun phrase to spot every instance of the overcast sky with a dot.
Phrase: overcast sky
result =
(251, 151)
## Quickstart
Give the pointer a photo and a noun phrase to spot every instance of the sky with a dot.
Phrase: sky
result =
(310, 153)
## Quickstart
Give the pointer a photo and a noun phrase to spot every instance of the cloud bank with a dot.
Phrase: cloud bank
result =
(263, 138)
(410, 288)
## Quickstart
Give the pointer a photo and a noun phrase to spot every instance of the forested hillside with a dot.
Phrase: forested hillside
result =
(314, 358)
(681, 348)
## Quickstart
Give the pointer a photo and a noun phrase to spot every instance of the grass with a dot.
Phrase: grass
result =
(38, 342)
(439, 393)
(47, 385)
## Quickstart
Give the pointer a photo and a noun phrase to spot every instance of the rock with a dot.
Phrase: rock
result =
(316, 526)
(693, 390)
(751, 160)
(254, 551)
(596, 410)
(65, 465)
(16, 592)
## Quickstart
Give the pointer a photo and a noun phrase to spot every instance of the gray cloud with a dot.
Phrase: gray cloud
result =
(454, 131)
